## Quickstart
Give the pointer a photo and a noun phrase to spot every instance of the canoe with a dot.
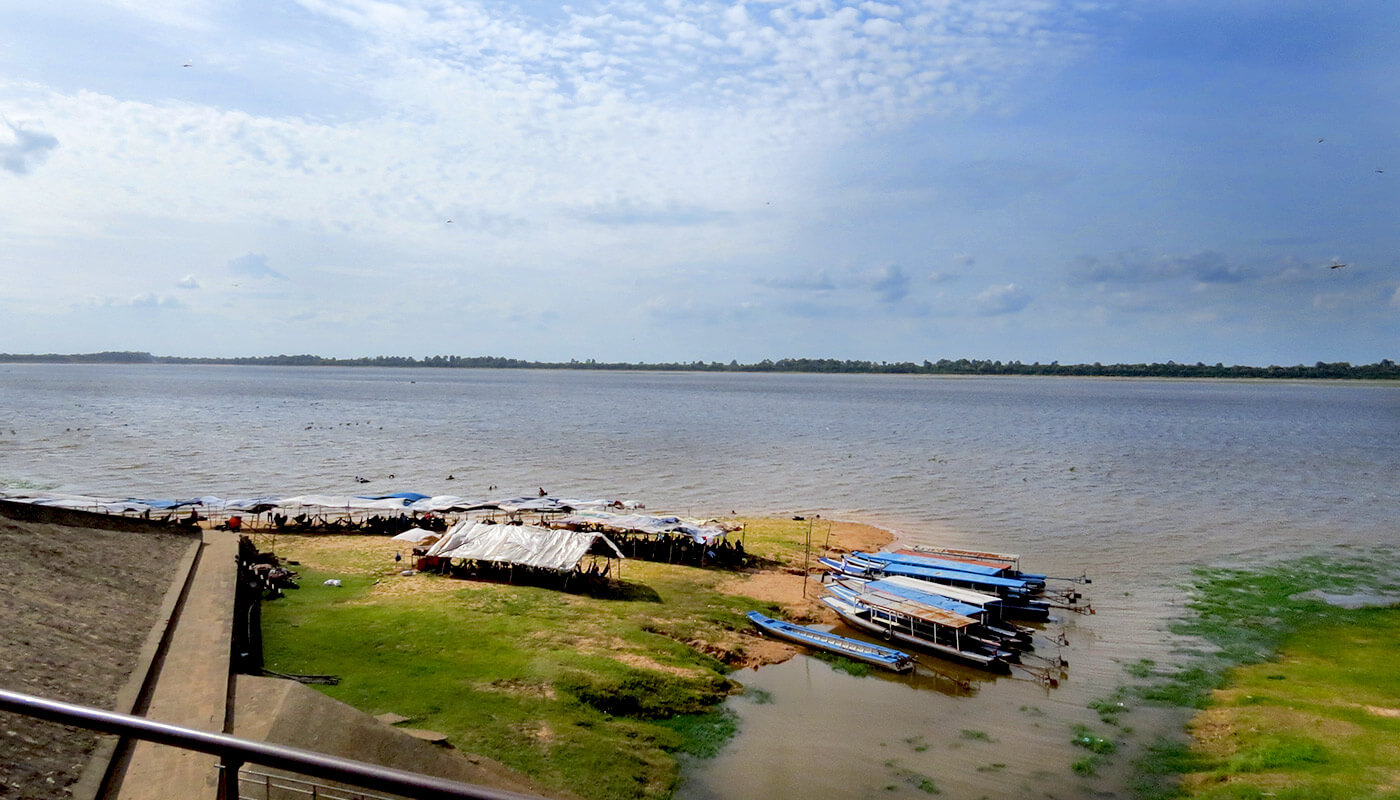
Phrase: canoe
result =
(886, 657)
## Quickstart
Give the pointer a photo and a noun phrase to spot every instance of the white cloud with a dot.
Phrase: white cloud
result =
(891, 284)
(22, 149)
(1005, 299)
(882, 9)
(143, 300)
(152, 300)
(254, 265)
(187, 14)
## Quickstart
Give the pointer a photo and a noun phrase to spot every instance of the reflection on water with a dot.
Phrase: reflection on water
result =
(1134, 482)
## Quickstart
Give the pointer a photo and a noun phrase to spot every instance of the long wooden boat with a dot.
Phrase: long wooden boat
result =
(993, 607)
(891, 623)
(940, 618)
(886, 657)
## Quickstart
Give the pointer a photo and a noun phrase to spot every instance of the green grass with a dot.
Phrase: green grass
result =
(1299, 698)
(1087, 739)
(909, 777)
(593, 695)
(1323, 720)
(1086, 767)
(1111, 708)
(703, 735)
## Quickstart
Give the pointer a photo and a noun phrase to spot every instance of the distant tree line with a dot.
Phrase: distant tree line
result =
(1385, 369)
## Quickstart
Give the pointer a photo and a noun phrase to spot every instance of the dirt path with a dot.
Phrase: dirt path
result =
(798, 590)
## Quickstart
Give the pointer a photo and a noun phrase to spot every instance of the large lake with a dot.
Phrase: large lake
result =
(1133, 481)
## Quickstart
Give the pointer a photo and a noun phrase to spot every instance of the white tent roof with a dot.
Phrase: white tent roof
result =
(518, 544)
(698, 530)
(417, 535)
(343, 503)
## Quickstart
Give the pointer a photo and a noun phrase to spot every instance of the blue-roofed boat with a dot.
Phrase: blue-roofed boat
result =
(944, 572)
(1007, 566)
(880, 656)
(1017, 598)
(931, 630)
(1008, 643)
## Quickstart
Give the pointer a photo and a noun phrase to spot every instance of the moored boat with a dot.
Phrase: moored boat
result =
(878, 655)
(1001, 641)
(917, 628)
(1018, 599)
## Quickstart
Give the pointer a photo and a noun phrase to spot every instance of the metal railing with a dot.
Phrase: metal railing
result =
(233, 753)
(266, 786)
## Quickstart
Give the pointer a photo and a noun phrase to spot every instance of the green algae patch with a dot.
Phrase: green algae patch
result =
(597, 695)
(1297, 696)
(1320, 720)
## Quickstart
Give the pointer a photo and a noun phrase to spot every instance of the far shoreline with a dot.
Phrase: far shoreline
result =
(1382, 370)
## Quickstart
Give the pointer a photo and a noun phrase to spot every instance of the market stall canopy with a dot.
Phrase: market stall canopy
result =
(445, 503)
(342, 503)
(539, 505)
(701, 531)
(526, 545)
(417, 535)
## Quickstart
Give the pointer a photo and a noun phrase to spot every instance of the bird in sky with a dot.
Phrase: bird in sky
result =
(1337, 266)
(188, 64)
(1320, 141)
(1380, 170)
(449, 222)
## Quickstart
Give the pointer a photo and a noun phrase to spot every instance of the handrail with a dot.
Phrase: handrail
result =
(234, 752)
(318, 791)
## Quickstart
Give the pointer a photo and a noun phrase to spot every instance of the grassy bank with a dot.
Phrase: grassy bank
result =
(1297, 697)
(594, 695)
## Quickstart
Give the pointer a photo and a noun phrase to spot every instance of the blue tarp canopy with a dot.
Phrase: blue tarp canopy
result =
(406, 497)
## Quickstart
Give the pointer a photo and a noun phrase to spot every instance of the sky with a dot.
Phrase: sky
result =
(1028, 180)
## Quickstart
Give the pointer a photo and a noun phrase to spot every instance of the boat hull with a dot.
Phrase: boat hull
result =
(877, 655)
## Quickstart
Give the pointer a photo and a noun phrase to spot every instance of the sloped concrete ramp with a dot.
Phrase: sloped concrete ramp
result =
(285, 712)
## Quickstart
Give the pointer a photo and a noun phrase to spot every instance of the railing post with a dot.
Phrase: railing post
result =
(228, 780)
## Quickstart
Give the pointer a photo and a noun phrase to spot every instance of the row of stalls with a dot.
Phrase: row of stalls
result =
(514, 539)
(318, 513)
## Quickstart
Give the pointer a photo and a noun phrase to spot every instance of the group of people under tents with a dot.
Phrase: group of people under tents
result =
(309, 511)
(412, 516)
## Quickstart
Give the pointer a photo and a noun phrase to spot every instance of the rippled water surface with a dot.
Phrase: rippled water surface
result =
(1131, 481)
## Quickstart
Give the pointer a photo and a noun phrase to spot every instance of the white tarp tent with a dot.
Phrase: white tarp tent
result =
(518, 544)
(342, 503)
(698, 530)
(417, 535)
